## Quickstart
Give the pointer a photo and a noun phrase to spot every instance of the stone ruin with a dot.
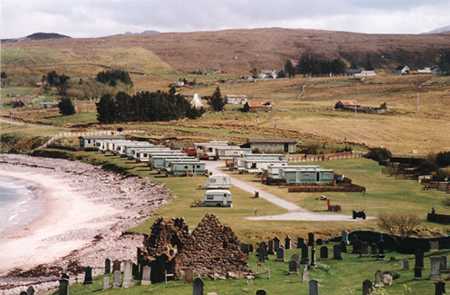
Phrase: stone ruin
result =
(212, 249)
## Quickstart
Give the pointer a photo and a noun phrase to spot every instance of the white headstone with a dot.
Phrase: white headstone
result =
(106, 284)
(117, 276)
(127, 274)
(146, 275)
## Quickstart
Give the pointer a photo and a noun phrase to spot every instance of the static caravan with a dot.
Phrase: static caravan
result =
(184, 167)
(89, 141)
(116, 145)
(133, 153)
(207, 150)
(137, 144)
(258, 165)
(158, 161)
(238, 162)
(144, 155)
(307, 175)
(273, 174)
(230, 152)
(217, 198)
(218, 182)
(168, 163)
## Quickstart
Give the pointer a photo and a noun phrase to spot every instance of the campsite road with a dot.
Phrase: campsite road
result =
(294, 212)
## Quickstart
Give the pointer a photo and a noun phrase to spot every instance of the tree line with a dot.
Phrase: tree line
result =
(145, 106)
(314, 65)
(112, 77)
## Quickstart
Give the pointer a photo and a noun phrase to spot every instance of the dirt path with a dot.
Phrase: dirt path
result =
(295, 212)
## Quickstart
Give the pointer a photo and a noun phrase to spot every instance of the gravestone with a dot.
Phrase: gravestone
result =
(197, 287)
(189, 275)
(136, 273)
(367, 287)
(300, 242)
(116, 265)
(337, 255)
(30, 290)
(63, 288)
(405, 264)
(295, 258)
(378, 279)
(107, 266)
(324, 252)
(304, 255)
(417, 273)
(439, 288)
(262, 252)
(311, 239)
(418, 259)
(305, 274)
(319, 242)
(106, 284)
(313, 287)
(117, 279)
(344, 237)
(276, 243)
(87, 275)
(313, 257)
(270, 248)
(343, 247)
(146, 275)
(435, 262)
(293, 266)
(287, 243)
(127, 274)
(434, 245)
(261, 292)
(280, 254)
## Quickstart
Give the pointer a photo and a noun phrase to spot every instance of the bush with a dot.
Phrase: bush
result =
(379, 154)
(111, 77)
(66, 107)
(399, 224)
(217, 102)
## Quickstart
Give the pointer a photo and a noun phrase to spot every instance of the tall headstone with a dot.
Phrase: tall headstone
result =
(117, 279)
(127, 274)
(311, 239)
(146, 275)
(276, 243)
(313, 287)
(313, 257)
(367, 287)
(197, 287)
(136, 273)
(337, 255)
(63, 288)
(435, 262)
(324, 252)
(344, 237)
(287, 243)
(405, 264)
(106, 282)
(280, 254)
(417, 273)
(87, 275)
(30, 290)
(188, 275)
(293, 266)
(107, 266)
(305, 274)
(116, 265)
(262, 252)
(419, 258)
(343, 247)
(304, 255)
(439, 288)
(270, 248)
(300, 242)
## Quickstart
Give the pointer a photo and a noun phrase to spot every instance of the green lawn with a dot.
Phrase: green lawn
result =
(335, 278)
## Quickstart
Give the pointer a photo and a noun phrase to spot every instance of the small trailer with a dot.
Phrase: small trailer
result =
(218, 182)
(217, 198)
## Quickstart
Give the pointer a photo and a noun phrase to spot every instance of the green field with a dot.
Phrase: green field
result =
(335, 277)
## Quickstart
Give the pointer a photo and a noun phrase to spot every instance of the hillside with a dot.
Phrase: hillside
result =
(440, 30)
(233, 51)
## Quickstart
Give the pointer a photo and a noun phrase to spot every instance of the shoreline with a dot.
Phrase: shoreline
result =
(85, 211)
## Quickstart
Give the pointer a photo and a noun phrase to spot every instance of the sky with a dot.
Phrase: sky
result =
(94, 18)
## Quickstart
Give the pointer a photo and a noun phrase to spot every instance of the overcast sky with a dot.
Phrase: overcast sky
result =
(91, 18)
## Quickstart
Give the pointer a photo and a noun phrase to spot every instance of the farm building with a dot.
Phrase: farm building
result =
(258, 106)
(262, 145)
(353, 106)
(89, 141)
(236, 99)
(307, 175)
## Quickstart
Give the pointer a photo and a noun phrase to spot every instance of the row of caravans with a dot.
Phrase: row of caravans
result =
(219, 150)
(298, 175)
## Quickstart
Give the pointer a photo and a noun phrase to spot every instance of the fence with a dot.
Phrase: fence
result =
(324, 157)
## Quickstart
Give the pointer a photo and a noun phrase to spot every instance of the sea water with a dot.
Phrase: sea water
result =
(19, 204)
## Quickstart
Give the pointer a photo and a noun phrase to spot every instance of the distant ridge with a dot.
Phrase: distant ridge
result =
(440, 30)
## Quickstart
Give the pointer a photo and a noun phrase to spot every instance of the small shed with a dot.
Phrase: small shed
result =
(274, 145)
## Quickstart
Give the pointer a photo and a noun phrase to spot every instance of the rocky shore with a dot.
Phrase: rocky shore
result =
(89, 211)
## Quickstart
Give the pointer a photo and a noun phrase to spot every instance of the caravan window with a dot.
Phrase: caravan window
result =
(198, 166)
(145, 155)
(185, 167)
(210, 149)
(210, 197)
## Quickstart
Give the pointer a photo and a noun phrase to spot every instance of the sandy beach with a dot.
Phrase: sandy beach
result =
(85, 211)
